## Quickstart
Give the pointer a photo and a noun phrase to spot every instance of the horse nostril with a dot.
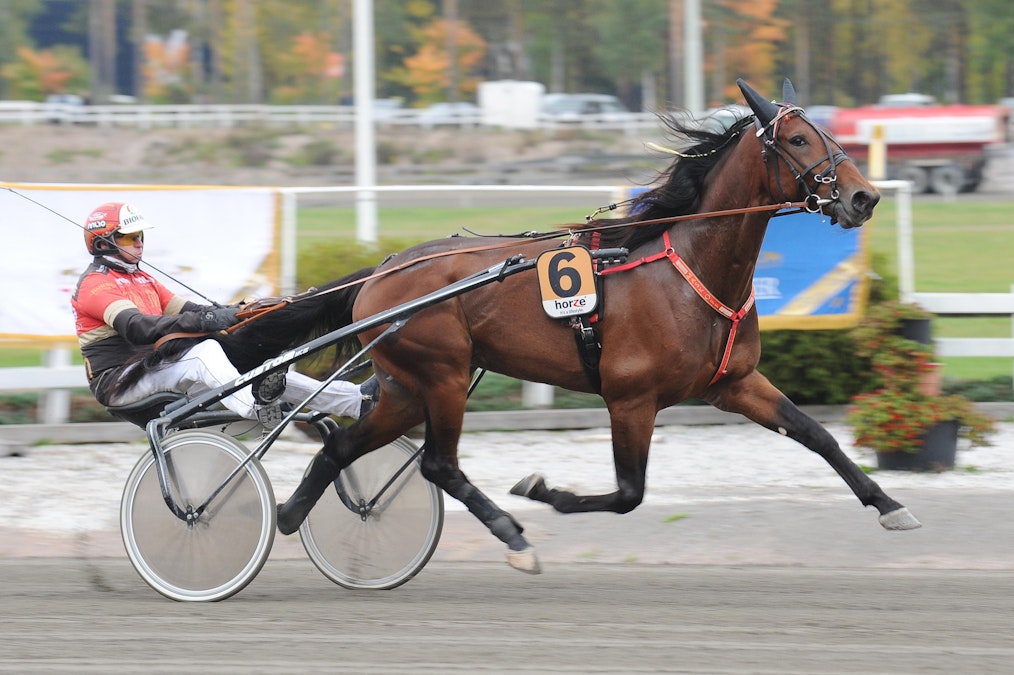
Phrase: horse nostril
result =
(863, 201)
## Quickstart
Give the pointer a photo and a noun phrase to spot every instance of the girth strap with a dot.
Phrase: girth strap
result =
(589, 349)
(706, 295)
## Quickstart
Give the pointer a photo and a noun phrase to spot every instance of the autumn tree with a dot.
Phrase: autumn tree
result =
(746, 37)
(428, 71)
(36, 74)
(166, 68)
(308, 70)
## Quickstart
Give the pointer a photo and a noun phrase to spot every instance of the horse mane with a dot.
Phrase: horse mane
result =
(679, 185)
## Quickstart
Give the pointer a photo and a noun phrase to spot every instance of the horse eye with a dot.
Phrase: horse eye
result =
(797, 141)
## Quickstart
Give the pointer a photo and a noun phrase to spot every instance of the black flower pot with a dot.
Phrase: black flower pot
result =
(937, 450)
(919, 330)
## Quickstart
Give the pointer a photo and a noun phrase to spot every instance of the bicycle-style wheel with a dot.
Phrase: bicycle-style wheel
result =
(383, 546)
(223, 550)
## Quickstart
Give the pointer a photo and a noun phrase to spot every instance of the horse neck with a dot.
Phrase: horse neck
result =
(723, 251)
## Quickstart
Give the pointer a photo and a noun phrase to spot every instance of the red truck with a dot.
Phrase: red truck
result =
(939, 148)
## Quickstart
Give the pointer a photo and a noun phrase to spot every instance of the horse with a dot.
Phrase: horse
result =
(676, 321)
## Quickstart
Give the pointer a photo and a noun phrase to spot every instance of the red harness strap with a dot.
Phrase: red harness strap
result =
(701, 289)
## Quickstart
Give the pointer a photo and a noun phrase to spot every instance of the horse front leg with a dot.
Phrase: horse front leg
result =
(631, 425)
(759, 400)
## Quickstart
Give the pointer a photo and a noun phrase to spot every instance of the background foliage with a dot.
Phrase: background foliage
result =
(840, 52)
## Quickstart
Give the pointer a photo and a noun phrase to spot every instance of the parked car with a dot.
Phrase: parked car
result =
(461, 114)
(62, 108)
(387, 109)
(576, 107)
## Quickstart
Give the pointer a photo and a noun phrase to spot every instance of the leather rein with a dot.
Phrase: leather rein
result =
(260, 308)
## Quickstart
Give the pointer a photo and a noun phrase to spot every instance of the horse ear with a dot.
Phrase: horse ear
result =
(788, 92)
(764, 109)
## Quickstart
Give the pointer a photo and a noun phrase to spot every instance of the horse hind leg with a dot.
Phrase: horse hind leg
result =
(446, 475)
(342, 447)
(520, 554)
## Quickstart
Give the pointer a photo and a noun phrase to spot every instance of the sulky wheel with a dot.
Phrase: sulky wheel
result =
(380, 522)
(220, 552)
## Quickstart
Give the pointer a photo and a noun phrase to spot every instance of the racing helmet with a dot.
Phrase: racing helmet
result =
(109, 220)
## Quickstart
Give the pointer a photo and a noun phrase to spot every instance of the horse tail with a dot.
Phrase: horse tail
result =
(310, 315)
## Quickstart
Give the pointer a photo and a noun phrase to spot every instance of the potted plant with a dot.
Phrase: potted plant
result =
(909, 425)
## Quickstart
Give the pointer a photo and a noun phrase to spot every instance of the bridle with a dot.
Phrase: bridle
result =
(835, 155)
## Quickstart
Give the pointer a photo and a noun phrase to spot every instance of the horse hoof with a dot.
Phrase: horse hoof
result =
(286, 521)
(899, 519)
(524, 560)
(526, 486)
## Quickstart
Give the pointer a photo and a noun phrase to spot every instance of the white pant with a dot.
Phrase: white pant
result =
(206, 367)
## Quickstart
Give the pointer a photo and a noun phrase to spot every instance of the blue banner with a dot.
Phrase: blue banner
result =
(811, 274)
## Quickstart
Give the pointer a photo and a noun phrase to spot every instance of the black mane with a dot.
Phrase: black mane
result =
(680, 185)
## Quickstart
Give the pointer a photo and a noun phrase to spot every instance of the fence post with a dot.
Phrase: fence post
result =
(54, 405)
(906, 255)
(536, 395)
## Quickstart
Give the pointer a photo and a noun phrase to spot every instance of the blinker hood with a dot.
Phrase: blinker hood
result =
(764, 109)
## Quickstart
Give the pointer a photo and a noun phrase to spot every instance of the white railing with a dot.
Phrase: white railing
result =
(29, 113)
(968, 305)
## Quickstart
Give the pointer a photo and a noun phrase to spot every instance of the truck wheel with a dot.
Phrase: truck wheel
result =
(947, 180)
(917, 176)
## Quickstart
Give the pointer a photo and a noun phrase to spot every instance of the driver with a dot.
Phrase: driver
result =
(121, 312)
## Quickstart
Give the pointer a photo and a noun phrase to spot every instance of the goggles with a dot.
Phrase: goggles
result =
(130, 239)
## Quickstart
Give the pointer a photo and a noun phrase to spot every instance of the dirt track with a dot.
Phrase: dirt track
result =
(87, 616)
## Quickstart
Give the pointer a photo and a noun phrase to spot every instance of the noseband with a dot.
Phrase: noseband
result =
(769, 135)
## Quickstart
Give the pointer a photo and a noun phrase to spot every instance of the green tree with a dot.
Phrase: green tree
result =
(990, 50)
(632, 43)
(15, 18)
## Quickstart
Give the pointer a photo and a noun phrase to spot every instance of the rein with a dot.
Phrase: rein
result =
(260, 308)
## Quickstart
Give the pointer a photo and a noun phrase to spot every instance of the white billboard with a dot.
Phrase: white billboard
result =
(216, 242)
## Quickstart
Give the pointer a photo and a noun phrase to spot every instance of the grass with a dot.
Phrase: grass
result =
(318, 225)
(960, 247)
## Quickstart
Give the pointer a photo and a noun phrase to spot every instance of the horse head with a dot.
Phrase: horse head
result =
(821, 173)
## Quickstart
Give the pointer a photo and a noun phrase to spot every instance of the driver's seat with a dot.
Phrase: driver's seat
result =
(143, 411)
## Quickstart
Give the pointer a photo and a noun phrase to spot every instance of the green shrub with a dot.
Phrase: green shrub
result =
(994, 389)
(254, 148)
(821, 367)
(328, 261)
(814, 366)
(317, 152)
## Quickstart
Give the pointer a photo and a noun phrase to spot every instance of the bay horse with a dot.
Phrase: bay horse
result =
(677, 321)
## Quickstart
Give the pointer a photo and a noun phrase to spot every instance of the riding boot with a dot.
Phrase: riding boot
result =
(323, 471)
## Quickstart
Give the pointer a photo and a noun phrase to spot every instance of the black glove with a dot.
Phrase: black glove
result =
(219, 319)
